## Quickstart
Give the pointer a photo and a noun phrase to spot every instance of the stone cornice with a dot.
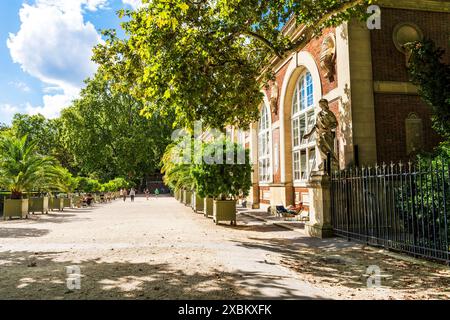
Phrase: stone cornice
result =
(423, 5)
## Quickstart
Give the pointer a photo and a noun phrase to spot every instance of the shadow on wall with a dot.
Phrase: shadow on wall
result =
(30, 276)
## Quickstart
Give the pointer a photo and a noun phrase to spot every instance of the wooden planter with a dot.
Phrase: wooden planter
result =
(208, 207)
(198, 203)
(225, 210)
(68, 202)
(38, 204)
(56, 204)
(187, 197)
(15, 208)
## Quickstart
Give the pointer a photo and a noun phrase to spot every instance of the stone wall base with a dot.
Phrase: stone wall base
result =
(318, 230)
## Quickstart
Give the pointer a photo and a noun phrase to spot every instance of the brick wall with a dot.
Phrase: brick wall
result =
(389, 64)
(391, 112)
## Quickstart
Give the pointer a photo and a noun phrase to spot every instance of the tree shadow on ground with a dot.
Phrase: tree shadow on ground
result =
(22, 233)
(336, 262)
(47, 279)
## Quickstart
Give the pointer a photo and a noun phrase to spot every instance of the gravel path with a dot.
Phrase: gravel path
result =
(160, 249)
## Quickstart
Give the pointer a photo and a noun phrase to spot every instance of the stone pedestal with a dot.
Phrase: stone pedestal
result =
(255, 196)
(319, 225)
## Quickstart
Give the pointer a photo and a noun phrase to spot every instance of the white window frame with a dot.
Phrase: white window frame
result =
(303, 96)
(265, 134)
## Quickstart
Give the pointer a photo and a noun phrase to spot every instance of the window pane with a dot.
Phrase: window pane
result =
(311, 122)
(302, 129)
(303, 164)
(296, 133)
(309, 90)
(297, 165)
(302, 94)
(312, 159)
(295, 102)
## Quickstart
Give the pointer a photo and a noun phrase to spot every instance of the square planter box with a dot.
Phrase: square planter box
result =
(57, 204)
(198, 203)
(208, 207)
(187, 198)
(68, 203)
(15, 208)
(39, 205)
(225, 211)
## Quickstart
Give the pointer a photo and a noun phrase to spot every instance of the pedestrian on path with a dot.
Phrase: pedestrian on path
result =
(132, 194)
(156, 193)
(147, 193)
(124, 195)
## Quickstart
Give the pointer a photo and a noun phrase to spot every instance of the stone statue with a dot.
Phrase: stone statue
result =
(325, 129)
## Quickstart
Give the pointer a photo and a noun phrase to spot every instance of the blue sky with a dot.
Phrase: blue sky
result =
(45, 48)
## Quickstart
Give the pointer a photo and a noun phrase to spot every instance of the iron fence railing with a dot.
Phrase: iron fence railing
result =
(403, 207)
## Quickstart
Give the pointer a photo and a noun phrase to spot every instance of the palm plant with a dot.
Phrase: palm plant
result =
(64, 181)
(177, 175)
(22, 169)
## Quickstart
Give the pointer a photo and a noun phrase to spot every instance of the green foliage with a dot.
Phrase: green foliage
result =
(65, 182)
(45, 133)
(205, 60)
(108, 138)
(22, 169)
(223, 180)
(432, 76)
(88, 185)
(177, 173)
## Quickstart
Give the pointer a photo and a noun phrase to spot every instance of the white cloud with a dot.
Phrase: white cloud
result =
(54, 44)
(20, 85)
(52, 105)
(135, 4)
(7, 111)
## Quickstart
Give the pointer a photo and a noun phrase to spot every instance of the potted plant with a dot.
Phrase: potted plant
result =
(177, 173)
(56, 203)
(208, 207)
(224, 179)
(198, 203)
(38, 204)
(67, 184)
(21, 170)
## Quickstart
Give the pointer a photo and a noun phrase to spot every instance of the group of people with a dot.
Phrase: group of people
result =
(124, 193)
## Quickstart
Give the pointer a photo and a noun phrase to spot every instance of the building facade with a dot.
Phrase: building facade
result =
(363, 75)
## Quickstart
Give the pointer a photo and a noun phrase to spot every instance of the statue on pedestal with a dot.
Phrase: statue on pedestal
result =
(325, 129)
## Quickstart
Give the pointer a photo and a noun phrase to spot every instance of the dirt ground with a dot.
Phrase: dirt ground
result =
(160, 249)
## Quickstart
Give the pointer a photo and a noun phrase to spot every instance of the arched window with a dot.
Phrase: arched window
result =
(303, 119)
(264, 145)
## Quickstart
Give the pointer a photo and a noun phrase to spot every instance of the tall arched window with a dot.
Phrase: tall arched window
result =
(264, 145)
(303, 119)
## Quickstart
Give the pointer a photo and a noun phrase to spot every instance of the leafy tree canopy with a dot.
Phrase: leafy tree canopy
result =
(432, 76)
(107, 136)
(204, 60)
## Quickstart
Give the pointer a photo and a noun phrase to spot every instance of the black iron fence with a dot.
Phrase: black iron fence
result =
(403, 207)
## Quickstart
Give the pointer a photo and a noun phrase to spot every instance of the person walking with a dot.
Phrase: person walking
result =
(124, 194)
(147, 193)
(132, 194)
(156, 193)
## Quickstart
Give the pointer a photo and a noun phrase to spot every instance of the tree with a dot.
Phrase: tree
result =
(223, 179)
(432, 76)
(206, 60)
(46, 133)
(108, 137)
(22, 169)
